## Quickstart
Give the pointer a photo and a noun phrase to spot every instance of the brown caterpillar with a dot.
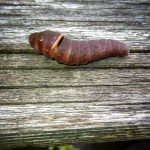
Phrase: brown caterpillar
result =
(73, 52)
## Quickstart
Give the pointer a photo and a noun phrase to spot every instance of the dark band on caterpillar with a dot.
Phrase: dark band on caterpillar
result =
(73, 52)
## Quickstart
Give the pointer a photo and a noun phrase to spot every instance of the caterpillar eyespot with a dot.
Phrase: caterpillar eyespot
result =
(73, 52)
(41, 38)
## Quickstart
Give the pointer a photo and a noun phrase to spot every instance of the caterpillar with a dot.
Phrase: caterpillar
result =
(73, 52)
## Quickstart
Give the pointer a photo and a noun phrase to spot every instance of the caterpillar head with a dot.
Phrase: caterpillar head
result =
(44, 41)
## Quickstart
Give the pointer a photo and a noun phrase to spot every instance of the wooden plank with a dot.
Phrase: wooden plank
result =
(71, 123)
(123, 20)
(34, 61)
(78, 136)
(43, 102)
(104, 95)
(77, 77)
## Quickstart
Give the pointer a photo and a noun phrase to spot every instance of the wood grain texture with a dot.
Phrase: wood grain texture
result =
(121, 20)
(103, 94)
(41, 123)
(32, 61)
(77, 77)
(43, 102)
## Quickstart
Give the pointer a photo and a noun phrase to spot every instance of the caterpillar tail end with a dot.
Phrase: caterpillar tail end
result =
(124, 50)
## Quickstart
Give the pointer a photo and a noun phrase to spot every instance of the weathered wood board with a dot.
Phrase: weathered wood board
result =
(43, 102)
(83, 19)
(33, 61)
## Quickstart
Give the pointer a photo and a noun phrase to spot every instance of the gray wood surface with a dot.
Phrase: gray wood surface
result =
(43, 102)
(33, 61)
(83, 19)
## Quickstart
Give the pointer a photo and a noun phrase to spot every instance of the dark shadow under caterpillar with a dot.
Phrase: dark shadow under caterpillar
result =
(73, 52)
